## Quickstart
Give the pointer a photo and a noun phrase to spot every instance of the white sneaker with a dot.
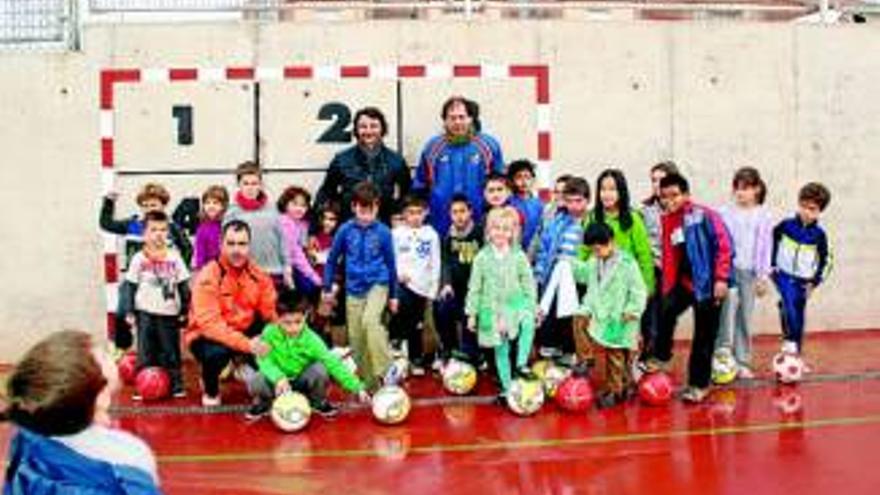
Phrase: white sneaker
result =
(417, 371)
(437, 365)
(208, 401)
(789, 347)
(745, 373)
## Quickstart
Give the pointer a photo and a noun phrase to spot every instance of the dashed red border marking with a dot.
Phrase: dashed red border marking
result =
(109, 78)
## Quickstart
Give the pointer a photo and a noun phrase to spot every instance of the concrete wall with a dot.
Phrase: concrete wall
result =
(796, 101)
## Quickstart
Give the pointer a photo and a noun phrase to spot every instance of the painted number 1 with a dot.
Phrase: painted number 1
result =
(340, 115)
(184, 116)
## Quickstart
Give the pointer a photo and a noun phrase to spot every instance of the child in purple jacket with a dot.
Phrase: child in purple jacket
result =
(215, 200)
(293, 204)
(751, 228)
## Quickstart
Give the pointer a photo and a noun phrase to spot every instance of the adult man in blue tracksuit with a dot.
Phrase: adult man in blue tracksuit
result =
(370, 280)
(457, 162)
(801, 261)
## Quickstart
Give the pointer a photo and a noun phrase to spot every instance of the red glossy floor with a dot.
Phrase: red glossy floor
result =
(819, 437)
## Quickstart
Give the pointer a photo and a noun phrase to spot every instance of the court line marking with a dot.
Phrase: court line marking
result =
(529, 443)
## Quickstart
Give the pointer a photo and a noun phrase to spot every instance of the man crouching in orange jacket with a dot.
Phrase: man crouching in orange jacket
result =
(232, 300)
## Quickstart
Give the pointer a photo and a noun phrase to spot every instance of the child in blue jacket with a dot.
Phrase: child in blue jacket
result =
(800, 261)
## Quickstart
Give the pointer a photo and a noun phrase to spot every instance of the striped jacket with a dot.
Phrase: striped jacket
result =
(446, 168)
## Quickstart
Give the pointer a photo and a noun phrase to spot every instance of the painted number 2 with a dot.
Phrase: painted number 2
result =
(340, 115)
(184, 116)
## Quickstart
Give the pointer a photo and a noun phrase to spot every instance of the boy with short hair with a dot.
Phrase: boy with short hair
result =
(556, 284)
(614, 301)
(417, 253)
(151, 197)
(155, 300)
(521, 176)
(697, 259)
(370, 280)
(298, 360)
(801, 260)
(496, 192)
(548, 214)
(460, 246)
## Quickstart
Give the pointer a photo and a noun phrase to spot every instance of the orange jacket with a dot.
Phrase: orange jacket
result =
(225, 301)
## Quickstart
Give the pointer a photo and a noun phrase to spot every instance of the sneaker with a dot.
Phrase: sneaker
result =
(745, 373)
(326, 410)
(417, 370)
(208, 401)
(397, 351)
(437, 365)
(789, 347)
(257, 410)
(501, 399)
(607, 400)
(549, 352)
(525, 373)
(653, 365)
(694, 395)
(483, 366)
(179, 392)
(136, 396)
(566, 360)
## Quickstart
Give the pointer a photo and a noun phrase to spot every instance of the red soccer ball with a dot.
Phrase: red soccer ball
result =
(655, 389)
(575, 394)
(153, 383)
(127, 366)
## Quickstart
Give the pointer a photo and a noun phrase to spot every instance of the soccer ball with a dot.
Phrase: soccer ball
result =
(724, 368)
(575, 394)
(127, 368)
(290, 412)
(153, 383)
(459, 377)
(525, 397)
(655, 389)
(391, 405)
(788, 368)
(539, 368)
(553, 376)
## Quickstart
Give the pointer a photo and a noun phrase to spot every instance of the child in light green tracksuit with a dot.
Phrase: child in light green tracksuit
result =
(615, 299)
(298, 360)
(501, 299)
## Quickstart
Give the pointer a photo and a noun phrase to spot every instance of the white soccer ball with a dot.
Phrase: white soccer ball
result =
(525, 397)
(290, 412)
(553, 376)
(788, 368)
(459, 377)
(724, 368)
(391, 405)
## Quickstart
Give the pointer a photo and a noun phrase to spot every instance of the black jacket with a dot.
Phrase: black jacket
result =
(387, 170)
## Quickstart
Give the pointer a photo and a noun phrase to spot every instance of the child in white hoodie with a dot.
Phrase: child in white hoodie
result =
(417, 253)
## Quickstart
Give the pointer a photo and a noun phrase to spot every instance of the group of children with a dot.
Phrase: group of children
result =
(586, 287)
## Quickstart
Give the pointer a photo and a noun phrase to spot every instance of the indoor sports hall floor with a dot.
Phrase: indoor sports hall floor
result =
(819, 437)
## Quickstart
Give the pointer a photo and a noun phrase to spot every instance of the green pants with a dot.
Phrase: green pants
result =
(523, 349)
(367, 336)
